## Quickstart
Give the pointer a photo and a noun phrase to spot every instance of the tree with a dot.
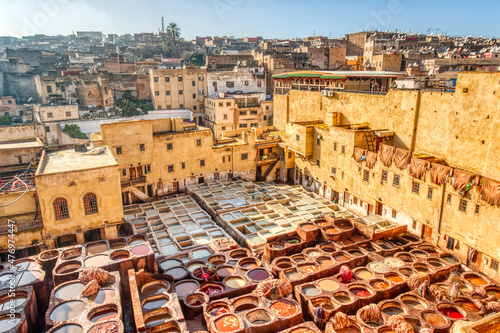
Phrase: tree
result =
(195, 58)
(173, 33)
(129, 108)
(270, 120)
(5, 120)
(74, 131)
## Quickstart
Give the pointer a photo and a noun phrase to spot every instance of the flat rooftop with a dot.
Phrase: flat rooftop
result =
(338, 74)
(21, 145)
(69, 160)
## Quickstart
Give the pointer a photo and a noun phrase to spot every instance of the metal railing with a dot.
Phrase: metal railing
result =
(19, 227)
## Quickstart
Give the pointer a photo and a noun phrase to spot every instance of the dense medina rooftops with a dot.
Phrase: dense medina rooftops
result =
(338, 74)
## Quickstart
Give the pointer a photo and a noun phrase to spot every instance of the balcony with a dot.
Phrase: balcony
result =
(133, 181)
(267, 159)
(20, 227)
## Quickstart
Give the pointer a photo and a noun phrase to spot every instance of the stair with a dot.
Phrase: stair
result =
(268, 171)
(138, 194)
(370, 140)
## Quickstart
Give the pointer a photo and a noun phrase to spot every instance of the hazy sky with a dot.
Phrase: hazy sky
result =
(240, 18)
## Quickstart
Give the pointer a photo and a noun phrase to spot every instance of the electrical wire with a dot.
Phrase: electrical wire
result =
(22, 195)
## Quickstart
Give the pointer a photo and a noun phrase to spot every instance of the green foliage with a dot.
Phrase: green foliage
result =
(195, 59)
(270, 120)
(132, 106)
(5, 120)
(170, 48)
(74, 131)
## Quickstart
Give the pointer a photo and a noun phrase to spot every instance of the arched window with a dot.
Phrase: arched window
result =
(90, 203)
(61, 209)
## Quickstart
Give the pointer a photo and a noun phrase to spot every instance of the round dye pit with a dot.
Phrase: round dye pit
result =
(393, 310)
(225, 272)
(8, 302)
(136, 241)
(434, 319)
(419, 254)
(202, 253)
(360, 292)
(154, 288)
(6, 324)
(298, 258)
(379, 284)
(171, 263)
(277, 245)
(154, 303)
(394, 278)
(176, 273)
(238, 254)
(331, 231)
(349, 329)
(235, 282)
(344, 225)
(340, 257)
(413, 303)
(71, 328)
(355, 253)
(313, 253)
(467, 306)
(68, 267)
(97, 248)
(195, 299)
(325, 261)
(120, 255)
(258, 317)
(244, 307)
(328, 248)
(103, 296)
(48, 255)
(67, 311)
(474, 279)
(493, 292)
(117, 246)
(323, 302)
(193, 266)
(70, 291)
(450, 259)
(158, 320)
(308, 226)
(328, 285)
(364, 274)
(140, 250)
(283, 264)
(406, 271)
(217, 310)
(185, 288)
(211, 290)
(258, 274)
(311, 291)
(102, 315)
(293, 275)
(342, 298)
(309, 269)
(96, 261)
(227, 323)
(451, 312)
(284, 308)
(28, 277)
(217, 260)
(71, 253)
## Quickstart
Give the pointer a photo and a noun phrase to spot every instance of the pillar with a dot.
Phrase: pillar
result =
(50, 243)
(109, 232)
(80, 238)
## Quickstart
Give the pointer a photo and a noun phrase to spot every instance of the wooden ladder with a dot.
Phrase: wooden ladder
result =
(369, 140)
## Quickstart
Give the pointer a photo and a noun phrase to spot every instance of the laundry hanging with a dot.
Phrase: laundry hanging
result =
(490, 191)
(386, 154)
(402, 158)
(371, 159)
(439, 173)
(461, 179)
(358, 154)
(417, 168)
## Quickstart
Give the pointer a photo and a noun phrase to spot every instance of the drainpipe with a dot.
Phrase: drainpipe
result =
(442, 205)
(415, 121)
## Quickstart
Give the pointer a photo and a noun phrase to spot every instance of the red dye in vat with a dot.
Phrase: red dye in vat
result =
(219, 310)
(258, 274)
(211, 290)
(360, 292)
(140, 250)
(227, 324)
(452, 313)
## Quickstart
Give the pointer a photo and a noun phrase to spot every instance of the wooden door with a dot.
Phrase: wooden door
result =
(132, 173)
(426, 232)
(139, 172)
(380, 208)
(176, 186)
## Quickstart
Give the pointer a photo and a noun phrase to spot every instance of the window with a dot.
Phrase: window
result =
(167, 78)
(246, 83)
(225, 117)
(142, 147)
(170, 168)
(170, 146)
(476, 210)
(254, 125)
(228, 104)
(366, 176)
(494, 264)
(297, 137)
(243, 113)
(265, 117)
(243, 125)
(49, 89)
(118, 150)
(202, 163)
(223, 128)
(253, 112)
(221, 104)
(355, 200)
(415, 188)
(223, 159)
(267, 108)
(183, 165)
(385, 173)
(167, 92)
(194, 107)
(194, 96)
(335, 146)
(343, 150)
(414, 225)
(157, 93)
(181, 106)
(395, 181)
(200, 78)
(193, 83)
(334, 171)
(466, 90)
(448, 199)
(198, 142)
(61, 209)
(463, 205)
(90, 204)
(68, 113)
(318, 141)
(429, 193)
(124, 172)
(259, 83)
(229, 158)
(147, 169)
(50, 115)
(394, 214)
(169, 107)
(180, 78)
(244, 156)
(230, 84)
(181, 92)
(156, 79)
(289, 154)
(47, 129)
